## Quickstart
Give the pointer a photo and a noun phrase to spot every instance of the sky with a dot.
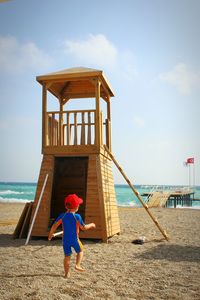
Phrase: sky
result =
(150, 52)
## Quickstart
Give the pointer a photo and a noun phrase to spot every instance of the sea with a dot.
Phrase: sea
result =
(23, 192)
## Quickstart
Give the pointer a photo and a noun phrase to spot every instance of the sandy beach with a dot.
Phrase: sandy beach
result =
(118, 270)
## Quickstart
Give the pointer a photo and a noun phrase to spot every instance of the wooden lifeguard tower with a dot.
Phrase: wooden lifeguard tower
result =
(74, 155)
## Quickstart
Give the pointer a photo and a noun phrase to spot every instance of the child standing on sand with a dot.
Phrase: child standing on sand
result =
(71, 222)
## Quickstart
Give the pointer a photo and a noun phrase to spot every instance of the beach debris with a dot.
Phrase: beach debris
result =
(139, 241)
(57, 233)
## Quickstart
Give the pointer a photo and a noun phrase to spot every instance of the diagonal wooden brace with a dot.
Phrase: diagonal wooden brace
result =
(137, 194)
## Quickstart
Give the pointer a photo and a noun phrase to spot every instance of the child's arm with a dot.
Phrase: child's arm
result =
(53, 229)
(88, 226)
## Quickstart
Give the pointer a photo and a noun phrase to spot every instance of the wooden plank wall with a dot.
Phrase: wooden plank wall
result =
(22, 221)
(109, 196)
(92, 211)
(40, 227)
(101, 206)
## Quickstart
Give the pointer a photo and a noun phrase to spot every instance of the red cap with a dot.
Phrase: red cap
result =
(72, 201)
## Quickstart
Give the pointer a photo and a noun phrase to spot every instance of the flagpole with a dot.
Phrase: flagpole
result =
(190, 161)
(189, 176)
(193, 175)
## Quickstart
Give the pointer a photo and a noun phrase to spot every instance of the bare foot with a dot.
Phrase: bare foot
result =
(67, 275)
(80, 269)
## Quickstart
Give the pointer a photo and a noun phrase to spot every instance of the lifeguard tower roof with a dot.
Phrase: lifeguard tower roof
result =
(76, 83)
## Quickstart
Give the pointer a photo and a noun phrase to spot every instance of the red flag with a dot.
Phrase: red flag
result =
(190, 160)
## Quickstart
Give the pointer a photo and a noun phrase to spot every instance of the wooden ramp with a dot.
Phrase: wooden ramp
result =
(22, 227)
(158, 199)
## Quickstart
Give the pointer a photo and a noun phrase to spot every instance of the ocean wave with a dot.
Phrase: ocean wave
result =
(128, 204)
(190, 207)
(14, 200)
(9, 192)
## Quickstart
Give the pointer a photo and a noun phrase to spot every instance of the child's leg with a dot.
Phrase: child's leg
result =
(79, 257)
(66, 266)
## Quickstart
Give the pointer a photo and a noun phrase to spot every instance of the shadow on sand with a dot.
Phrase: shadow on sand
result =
(29, 275)
(7, 240)
(172, 252)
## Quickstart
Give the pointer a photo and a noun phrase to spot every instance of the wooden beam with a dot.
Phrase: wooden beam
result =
(61, 124)
(101, 128)
(71, 111)
(103, 94)
(137, 195)
(71, 149)
(44, 117)
(97, 115)
(65, 100)
(106, 91)
(48, 85)
(68, 130)
(64, 88)
(89, 129)
(108, 129)
(83, 129)
(66, 78)
(108, 109)
(75, 129)
(79, 95)
(36, 210)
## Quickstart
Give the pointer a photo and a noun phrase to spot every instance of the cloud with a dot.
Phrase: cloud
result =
(97, 49)
(182, 78)
(18, 57)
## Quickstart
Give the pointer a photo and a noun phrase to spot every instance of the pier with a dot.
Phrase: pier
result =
(170, 198)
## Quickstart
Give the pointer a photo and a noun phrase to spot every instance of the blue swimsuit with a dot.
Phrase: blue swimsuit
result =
(71, 223)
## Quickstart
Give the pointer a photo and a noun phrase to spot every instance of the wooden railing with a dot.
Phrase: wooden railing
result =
(75, 128)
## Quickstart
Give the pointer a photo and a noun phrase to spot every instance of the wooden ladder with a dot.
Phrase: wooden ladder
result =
(137, 194)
